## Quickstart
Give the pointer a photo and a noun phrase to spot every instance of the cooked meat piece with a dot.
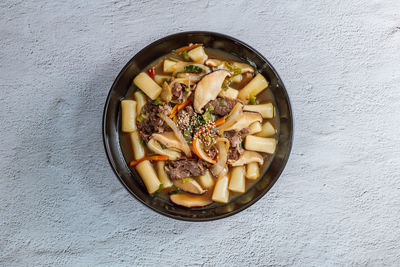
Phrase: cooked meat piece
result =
(178, 91)
(153, 123)
(234, 153)
(212, 152)
(244, 131)
(222, 106)
(184, 167)
(166, 109)
(184, 116)
(235, 140)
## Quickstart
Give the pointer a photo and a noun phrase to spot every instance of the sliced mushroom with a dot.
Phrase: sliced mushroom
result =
(246, 158)
(190, 201)
(244, 67)
(154, 146)
(208, 88)
(246, 119)
(169, 140)
(212, 62)
(166, 93)
(191, 186)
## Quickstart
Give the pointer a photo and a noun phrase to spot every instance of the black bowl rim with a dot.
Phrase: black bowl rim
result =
(258, 197)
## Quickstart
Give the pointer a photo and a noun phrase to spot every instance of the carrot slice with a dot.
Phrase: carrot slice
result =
(197, 143)
(178, 107)
(156, 157)
(200, 152)
(173, 111)
(187, 47)
(219, 122)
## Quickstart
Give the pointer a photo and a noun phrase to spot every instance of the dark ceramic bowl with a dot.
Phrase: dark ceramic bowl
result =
(130, 179)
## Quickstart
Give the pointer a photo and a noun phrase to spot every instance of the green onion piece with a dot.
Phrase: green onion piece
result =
(141, 117)
(225, 84)
(207, 116)
(252, 100)
(163, 146)
(222, 103)
(186, 56)
(159, 189)
(234, 69)
(177, 191)
(143, 142)
(187, 179)
(158, 101)
(237, 71)
(241, 145)
(193, 69)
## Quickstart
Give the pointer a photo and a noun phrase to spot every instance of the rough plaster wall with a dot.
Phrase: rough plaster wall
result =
(337, 202)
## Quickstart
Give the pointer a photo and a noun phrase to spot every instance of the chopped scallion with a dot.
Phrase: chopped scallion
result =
(159, 188)
(234, 69)
(177, 191)
(187, 179)
(158, 101)
(141, 117)
(208, 117)
(222, 103)
(186, 56)
(193, 69)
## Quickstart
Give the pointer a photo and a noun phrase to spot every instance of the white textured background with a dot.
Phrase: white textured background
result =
(337, 202)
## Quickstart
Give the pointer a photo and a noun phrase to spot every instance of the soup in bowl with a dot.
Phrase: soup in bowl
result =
(200, 127)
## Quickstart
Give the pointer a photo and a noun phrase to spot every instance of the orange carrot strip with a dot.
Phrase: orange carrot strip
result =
(173, 111)
(178, 107)
(220, 121)
(187, 47)
(184, 104)
(196, 142)
(156, 157)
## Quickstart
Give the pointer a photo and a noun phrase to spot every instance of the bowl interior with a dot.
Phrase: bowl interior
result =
(130, 179)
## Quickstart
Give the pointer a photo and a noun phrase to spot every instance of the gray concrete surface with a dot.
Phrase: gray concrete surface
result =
(336, 204)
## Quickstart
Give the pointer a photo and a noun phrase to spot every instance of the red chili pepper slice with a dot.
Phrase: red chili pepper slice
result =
(151, 72)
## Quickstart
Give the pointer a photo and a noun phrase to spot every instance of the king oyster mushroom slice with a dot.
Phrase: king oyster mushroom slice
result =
(169, 140)
(244, 67)
(245, 120)
(189, 186)
(212, 62)
(246, 158)
(208, 88)
(190, 201)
